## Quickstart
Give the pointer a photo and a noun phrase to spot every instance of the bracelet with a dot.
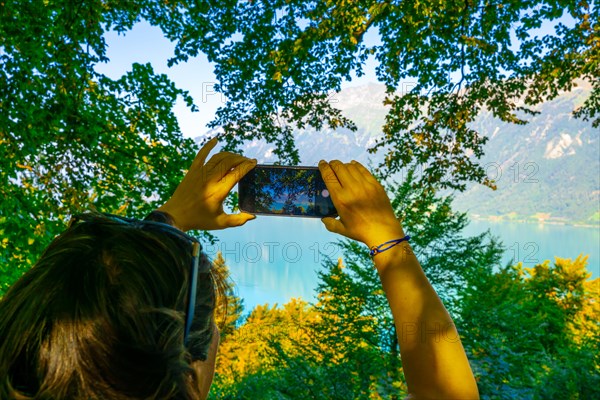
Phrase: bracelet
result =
(387, 245)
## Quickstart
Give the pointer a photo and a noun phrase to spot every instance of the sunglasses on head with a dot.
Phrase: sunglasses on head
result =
(162, 228)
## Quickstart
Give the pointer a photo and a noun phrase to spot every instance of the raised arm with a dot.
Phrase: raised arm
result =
(433, 358)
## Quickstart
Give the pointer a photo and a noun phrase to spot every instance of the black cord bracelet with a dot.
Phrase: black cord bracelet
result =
(387, 245)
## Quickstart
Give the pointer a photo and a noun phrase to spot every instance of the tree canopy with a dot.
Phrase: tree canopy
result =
(276, 62)
(72, 138)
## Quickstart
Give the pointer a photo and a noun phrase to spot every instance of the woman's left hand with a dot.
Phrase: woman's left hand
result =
(198, 201)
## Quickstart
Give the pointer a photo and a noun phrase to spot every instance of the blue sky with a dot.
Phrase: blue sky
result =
(146, 43)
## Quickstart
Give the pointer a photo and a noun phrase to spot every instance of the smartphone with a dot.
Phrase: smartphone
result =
(285, 191)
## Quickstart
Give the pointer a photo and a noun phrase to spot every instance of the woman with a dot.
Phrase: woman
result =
(123, 309)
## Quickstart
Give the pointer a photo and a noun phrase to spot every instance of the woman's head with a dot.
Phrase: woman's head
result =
(102, 314)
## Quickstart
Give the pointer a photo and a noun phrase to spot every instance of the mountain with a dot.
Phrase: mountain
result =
(362, 104)
(547, 170)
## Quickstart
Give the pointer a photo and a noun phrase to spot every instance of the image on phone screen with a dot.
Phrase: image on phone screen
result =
(285, 191)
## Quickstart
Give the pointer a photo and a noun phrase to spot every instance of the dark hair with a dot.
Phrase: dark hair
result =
(100, 315)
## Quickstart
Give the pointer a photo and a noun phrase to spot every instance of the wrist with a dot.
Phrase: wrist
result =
(163, 214)
(387, 245)
(381, 235)
(159, 216)
(400, 256)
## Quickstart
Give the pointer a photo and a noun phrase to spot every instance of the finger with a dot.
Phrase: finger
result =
(215, 162)
(229, 163)
(365, 173)
(341, 171)
(354, 172)
(233, 220)
(234, 175)
(203, 153)
(334, 225)
(224, 165)
(331, 181)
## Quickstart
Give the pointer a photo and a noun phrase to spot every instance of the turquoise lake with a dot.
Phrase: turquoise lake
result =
(273, 259)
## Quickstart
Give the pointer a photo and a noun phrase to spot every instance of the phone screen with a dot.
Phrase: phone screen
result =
(285, 191)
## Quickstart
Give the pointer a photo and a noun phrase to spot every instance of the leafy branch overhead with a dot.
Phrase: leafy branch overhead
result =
(72, 138)
(277, 60)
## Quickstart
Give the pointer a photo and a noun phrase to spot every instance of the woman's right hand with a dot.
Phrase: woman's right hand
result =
(364, 209)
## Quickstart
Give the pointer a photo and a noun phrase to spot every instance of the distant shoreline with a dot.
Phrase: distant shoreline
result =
(530, 220)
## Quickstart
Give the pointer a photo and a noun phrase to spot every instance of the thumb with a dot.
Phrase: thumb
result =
(334, 225)
(231, 220)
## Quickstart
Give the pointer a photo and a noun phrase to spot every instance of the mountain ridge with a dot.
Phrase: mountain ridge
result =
(546, 171)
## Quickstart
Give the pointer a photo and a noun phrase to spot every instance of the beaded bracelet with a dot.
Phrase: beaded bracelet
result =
(391, 243)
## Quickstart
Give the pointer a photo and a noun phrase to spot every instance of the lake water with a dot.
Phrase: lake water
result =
(273, 259)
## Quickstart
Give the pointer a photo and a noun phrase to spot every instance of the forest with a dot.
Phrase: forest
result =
(529, 333)
(74, 139)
